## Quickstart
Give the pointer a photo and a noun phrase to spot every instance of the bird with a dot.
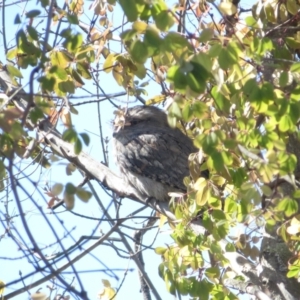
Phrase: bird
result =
(152, 156)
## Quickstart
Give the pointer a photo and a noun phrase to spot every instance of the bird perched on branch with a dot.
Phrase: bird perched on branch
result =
(152, 156)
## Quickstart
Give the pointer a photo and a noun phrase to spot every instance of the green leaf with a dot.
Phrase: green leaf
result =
(288, 206)
(47, 83)
(33, 33)
(17, 19)
(174, 41)
(83, 195)
(295, 67)
(292, 7)
(128, 35)
(202, 288)
(183, 286)
(44, 3)
(206, 35)
(229, 56)
(251, 22)
(73, 42)
(12, 53)
(77, 78)
(70, 189)
(57, 188)
(109, 62)
(294, 112)
(140, 71)
(286, 123)
(202, 64)
(215, 50)
(214, 203)
(250, 86)
(58, 72)
(289, 165)
(262, 46)
(139, 26)
(209, 143)
(83, 70)
(3, 175)
(72, 18)
(130, 9)
(230, 206)
(266, 190)
(227, 8)
(164, 21)
(174, 110)
(70, 135)
(85, 137)
(187, 112)
(296, 194)
(153, 41)
(294, 271)
(269, 10)
(139, 51)
(195, 85)
(212, 273)
(294, 44)
(202, 194)
(160, 250)
(283, 79)
(36, 114)
(60, 58)
(218, 215)
(78, 146)
(33, 13)
(221, 101)
(67, 86)
(13, 71)
(146, 13)
(69, 200)
(16, 131)
(177, 77)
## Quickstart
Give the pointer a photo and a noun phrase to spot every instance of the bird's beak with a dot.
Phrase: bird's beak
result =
(120, 122)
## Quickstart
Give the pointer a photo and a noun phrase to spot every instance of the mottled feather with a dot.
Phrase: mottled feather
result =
(152, 156)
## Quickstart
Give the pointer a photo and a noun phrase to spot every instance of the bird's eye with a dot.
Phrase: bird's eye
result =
(134, 122)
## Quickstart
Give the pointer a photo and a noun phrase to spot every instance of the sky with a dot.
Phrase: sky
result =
(67, 226)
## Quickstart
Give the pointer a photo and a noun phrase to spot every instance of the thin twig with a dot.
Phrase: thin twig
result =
(3, 27)
(55, 273)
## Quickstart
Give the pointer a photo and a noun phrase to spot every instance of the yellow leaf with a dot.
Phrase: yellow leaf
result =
(202, 195)
(38, 296)
(57, 189)
(108, 292)
(106, 283)
(156, 100)
(140, 26)
(2, 288)
(200, 183)
(69, 201)
(83, 195)
(227, 8)
(109, 62)
(162, 220)
(218, 180)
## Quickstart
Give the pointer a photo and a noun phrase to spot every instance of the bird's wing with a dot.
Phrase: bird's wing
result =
(160, 155)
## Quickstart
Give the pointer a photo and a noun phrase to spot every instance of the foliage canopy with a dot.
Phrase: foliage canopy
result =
(232, 82)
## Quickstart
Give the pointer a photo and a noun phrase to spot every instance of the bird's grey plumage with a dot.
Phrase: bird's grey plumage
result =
(152, 156)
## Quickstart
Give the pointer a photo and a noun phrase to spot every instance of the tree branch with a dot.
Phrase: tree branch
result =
(115, 183)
